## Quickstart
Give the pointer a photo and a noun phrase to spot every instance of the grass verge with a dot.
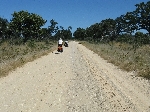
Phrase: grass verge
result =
(13, 56)
(124, 56)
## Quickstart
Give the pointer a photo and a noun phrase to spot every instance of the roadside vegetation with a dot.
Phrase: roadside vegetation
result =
(13, 56)
(24, 39)
(123, 56)
(121, 41)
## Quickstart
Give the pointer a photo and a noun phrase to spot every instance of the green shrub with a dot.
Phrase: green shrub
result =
(31, 43)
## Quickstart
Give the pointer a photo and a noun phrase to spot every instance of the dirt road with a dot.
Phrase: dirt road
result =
(76, 80)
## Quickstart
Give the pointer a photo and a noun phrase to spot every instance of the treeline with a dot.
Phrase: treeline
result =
(125, 28)
(26, 26)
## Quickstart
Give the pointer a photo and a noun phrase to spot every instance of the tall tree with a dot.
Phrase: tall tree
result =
(143, 14)
(3, 27)
(26, 24)
(120, 24)
(69, 33)
(108, 29)
(130, 21)
(53, 28)
(80, 33)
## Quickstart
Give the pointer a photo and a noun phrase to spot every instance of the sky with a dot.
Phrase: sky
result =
(74, 13)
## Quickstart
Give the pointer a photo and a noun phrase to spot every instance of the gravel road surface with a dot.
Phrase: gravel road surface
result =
(76, 80)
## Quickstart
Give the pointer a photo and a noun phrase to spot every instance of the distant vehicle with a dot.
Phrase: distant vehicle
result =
(66, 44)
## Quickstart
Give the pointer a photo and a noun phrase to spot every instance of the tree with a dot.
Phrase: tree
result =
(126, 23)
(94, 32)
(69, 34)
(63, 33)
(53, 28)
(108, 29)
(130, 22)
(26, 24)
(44, 34)
(80, 33)
(120, 24)
(3, 27)
(69, 28)
(89, 32)
(142, 13)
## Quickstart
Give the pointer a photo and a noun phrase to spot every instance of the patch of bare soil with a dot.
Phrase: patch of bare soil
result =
(76, 80)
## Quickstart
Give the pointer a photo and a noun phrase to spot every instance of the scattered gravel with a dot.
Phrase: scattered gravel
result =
(76, 80)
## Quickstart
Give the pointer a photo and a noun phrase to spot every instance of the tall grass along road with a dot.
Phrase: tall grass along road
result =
(76, 80)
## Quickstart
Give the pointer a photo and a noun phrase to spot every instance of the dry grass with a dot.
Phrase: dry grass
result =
(13, 56)
(124, 56)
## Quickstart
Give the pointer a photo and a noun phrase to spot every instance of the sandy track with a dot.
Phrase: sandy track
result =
(76, 80)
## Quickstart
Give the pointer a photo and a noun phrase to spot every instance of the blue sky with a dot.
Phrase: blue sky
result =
(75, 13)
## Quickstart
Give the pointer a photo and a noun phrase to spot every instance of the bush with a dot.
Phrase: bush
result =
(31, 43)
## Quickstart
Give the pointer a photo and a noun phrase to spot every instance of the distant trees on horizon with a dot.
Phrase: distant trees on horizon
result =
(121, 28)
(27, 26)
